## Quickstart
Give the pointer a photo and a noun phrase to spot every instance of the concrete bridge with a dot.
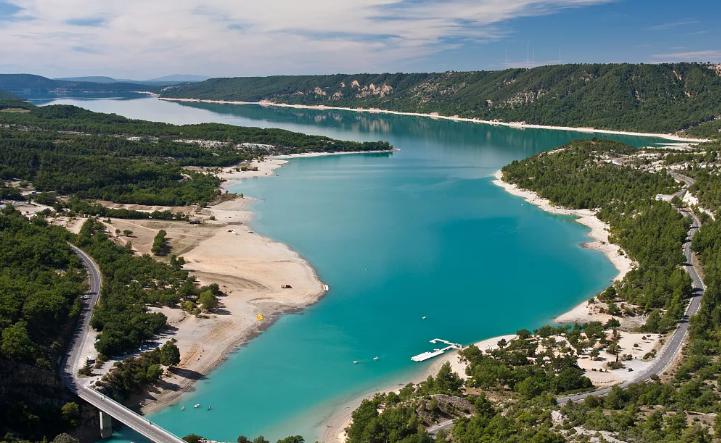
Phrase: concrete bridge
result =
(108, 407)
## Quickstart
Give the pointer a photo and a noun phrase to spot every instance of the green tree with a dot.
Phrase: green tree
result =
(207, 300)
(169, 353)
(160, 243)
(70, 413)
(65, 438)
(16, 343)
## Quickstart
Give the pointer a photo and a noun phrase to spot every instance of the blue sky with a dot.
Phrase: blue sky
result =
(648, 31)
(144, 39)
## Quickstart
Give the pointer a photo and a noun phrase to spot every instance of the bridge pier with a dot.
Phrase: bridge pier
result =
(106, 425)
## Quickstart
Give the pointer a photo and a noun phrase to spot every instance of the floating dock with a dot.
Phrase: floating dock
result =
(436, 351)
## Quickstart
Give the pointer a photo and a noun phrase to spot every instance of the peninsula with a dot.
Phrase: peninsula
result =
(185, 280)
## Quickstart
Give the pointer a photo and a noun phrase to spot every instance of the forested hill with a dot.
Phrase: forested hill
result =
(35, 86)
(73, 151)
(654, 98)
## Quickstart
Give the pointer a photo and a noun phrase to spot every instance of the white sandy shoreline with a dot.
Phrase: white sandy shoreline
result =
(599, 229)
(251, 268)
(517, 125)
(599, 233)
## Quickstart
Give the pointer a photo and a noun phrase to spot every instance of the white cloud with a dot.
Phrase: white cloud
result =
(139, 39)
(711, 55)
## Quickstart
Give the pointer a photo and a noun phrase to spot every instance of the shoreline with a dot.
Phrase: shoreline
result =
(250, 268)
(269, 164)
(599, 232)
(333, 428)
(455, 118)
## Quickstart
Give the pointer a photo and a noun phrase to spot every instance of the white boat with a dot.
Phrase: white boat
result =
(196, 406)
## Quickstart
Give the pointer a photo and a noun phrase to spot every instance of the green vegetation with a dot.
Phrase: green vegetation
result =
(136, 373)
(672, 411)
(160, 244)
(69, 150)
(583, 175)
(207, 300)
(169, 354)
(655, 98)
(519, 367)
(130, 284)
(41, 281)
(403, 417)
(35, 86)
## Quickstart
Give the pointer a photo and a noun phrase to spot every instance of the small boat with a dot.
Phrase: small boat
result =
(376, 358)
(182, 408)
(423, 318)
(196, 406)
(210, 407)
(355, 362)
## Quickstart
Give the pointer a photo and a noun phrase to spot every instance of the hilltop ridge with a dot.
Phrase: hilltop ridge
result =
(655, 98)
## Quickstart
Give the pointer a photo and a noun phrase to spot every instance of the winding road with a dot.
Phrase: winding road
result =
(674, 343)
(72, 363)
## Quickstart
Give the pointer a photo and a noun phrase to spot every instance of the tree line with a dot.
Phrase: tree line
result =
(637, 97)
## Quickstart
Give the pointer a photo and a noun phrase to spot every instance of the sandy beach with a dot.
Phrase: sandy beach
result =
(262, 278)
(253, 272)
(433, 115)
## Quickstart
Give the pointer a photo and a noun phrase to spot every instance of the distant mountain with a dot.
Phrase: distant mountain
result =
(35, 86)
(640, 97)
(179, 78)
(165, 80)
(93, 79)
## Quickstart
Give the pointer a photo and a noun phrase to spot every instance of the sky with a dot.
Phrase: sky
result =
(151, 38)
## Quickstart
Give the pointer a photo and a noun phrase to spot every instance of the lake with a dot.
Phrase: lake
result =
(422, 232)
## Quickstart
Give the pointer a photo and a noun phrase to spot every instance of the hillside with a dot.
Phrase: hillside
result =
(35, 86)
(654, 98)
(92, 155)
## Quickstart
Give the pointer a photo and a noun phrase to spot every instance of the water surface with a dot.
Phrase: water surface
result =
(421, 232)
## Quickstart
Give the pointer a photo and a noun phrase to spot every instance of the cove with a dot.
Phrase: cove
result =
(420, 232)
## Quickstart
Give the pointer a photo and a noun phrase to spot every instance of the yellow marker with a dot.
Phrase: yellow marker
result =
(259, 317)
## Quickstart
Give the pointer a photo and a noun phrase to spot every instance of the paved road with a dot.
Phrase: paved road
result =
(674, 343)
(72, 361)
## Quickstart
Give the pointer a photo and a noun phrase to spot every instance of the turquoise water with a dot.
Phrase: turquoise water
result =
(421, 232)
